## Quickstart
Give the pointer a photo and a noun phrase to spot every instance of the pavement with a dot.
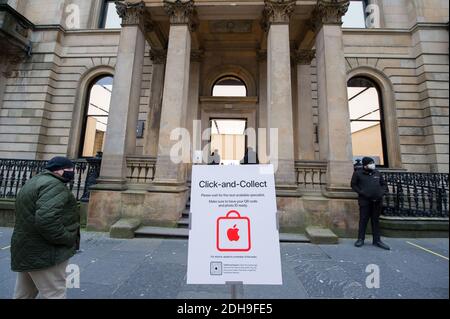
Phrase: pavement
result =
(144, 268)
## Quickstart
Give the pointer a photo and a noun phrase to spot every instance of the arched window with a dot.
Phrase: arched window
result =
(96, 116)
(366, 117)
(110, 18)
(229, 86)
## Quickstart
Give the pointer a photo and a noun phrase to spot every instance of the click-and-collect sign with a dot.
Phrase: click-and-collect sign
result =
(233, 235)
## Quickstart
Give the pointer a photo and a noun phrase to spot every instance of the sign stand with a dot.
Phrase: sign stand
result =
(236, 288)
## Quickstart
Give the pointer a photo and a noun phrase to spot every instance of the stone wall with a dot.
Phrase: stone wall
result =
(42, 93)
(416, 65)
(38, 111)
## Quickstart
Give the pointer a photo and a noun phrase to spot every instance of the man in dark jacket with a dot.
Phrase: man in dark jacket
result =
(45, 232)
(370, 186)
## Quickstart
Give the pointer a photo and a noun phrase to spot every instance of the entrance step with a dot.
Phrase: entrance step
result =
(124, 228)
(161, 232)
(183, 222)
(168, 232)
(320, 235)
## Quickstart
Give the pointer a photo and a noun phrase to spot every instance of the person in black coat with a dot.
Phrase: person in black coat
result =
(250, 157)
(371, 187)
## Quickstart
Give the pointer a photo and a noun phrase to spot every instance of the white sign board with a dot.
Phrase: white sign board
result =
(233, 235)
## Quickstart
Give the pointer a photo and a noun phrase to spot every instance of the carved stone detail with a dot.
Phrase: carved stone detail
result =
(181, 12)
(304, 56)
(158, 56)
(261, 55)
(131, 13)
(329, 12)
(197, 55)
(277, 11)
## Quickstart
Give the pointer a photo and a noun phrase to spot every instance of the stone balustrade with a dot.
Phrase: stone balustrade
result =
(311, 175)
(141, 169)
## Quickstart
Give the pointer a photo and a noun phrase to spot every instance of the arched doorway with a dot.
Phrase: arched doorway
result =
(95, 119)
(367, 120)
(228, 140)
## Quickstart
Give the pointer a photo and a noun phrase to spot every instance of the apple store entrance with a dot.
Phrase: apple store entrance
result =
(228, 140)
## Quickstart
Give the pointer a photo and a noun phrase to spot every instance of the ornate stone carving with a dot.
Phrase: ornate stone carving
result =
(197, 55)
(149, 25)
(158, 56)
(181, 12)
(10, 62)
(329, 12)
(277, 11)
(231, 26)
(261, 55)
(131, 13)
(304, 56)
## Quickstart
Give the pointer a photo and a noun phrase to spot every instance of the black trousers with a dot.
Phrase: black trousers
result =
(372, 211)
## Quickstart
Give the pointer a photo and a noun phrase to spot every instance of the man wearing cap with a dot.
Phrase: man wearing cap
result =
(45, 233)
(371, 187)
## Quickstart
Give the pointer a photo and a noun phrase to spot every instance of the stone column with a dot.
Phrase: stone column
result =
(263, 147)
(176, 87)
(305, 132)
(334, 119)
(279, 91)
(193, 112)
(154, 115)
(123, 115)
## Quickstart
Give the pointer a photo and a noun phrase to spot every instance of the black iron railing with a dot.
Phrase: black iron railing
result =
(14, 173)
(416, 195)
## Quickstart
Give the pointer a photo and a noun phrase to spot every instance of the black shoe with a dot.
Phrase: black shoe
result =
(359, 243)
(382, 245)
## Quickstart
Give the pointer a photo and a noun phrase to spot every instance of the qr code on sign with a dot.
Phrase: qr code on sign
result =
(216, 268)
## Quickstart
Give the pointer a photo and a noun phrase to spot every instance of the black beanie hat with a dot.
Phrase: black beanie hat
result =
(59, 162)
(367, 160)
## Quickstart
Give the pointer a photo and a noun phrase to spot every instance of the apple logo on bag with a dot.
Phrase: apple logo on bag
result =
(232, 233)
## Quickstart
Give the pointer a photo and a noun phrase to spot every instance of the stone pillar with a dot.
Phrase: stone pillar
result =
(120, 137)
(176, 87)
(305, 131)
(263, 147)
(193, 112)
(334, 119)
(279, 91)
(154, 115)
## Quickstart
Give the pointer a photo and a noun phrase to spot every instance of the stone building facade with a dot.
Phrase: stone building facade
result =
(294, 58)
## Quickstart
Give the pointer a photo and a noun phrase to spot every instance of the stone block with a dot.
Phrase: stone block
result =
(318, 235)
(124, 228)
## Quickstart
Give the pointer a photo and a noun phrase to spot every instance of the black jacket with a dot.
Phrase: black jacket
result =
(369, 185)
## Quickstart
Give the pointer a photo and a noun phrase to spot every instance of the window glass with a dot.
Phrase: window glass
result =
(229, 86)
(366, 120)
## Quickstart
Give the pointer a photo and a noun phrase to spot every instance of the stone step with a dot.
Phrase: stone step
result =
(161, 232)
(183, 222)
(320, 235)
(124, 228)
(185, 213)
(168, 232)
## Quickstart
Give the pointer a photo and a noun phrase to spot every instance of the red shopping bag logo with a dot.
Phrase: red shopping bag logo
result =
(233, 232)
